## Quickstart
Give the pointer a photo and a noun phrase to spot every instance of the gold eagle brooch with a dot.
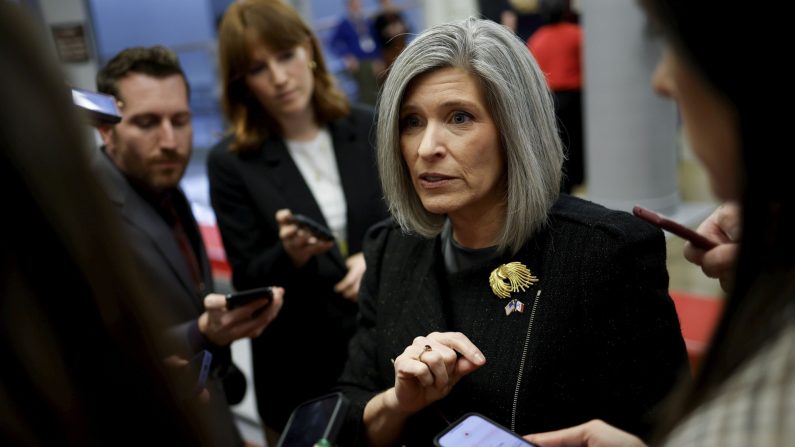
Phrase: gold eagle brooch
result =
(510, 277)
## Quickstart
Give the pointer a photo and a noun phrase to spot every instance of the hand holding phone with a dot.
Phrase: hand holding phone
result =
(318, 230)
(476, 430)
(237, 299)
(676, 228)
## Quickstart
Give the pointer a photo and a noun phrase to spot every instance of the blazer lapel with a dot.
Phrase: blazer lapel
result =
(285, 176)
(141, 215)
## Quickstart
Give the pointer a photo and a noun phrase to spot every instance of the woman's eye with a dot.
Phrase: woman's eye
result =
(410, 121)
(287, 55)
(256, 68)
(461, 118)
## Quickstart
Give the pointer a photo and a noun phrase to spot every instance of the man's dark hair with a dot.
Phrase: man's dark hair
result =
(157, 61)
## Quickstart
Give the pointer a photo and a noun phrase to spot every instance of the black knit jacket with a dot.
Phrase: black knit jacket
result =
(604, 339)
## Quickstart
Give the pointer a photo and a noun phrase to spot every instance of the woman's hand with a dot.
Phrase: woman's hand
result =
(722, 226)
(349, 286)
(299, 244)
(423, 375)
(425, 372)
(590, 434)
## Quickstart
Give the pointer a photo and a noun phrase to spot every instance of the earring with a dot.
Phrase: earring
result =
(312, 65)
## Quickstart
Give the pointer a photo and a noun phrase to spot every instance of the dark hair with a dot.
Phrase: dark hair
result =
(279, 25)
(81, 364)
(553, 11)
(157, 62)
(705, 35)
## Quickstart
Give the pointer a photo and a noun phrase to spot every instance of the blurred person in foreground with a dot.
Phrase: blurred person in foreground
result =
(744, 392)
(80, 339)
(493, 292)
(296, 146)
(141, 163)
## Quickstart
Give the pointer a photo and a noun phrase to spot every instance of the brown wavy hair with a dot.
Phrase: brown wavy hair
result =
(279, 25)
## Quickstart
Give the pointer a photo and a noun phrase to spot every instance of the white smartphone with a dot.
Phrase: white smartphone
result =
(476, 430)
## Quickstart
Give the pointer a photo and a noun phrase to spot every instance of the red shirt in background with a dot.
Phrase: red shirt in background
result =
(558, 49)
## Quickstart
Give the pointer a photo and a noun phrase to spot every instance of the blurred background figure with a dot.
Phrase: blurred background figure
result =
(391, 33)
(80, 340)
(557, 46)
(353, 41)
(296, 146)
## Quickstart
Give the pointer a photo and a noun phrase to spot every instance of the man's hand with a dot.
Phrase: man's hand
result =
(222, 326)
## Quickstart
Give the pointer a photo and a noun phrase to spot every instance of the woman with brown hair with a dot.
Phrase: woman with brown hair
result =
(296, 147)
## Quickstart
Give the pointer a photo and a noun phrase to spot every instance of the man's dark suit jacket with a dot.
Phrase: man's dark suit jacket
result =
(152, 244)
(602, 340)
(302, 352)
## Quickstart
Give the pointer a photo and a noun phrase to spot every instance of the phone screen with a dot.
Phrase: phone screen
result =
(102, 108)
(477, 431)
(314, 420)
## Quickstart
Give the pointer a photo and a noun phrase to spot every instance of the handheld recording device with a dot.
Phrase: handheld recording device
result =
(476, 430)
(237, 299)
(678, 229)
(101, 108)
(314, 420)
(317, 229)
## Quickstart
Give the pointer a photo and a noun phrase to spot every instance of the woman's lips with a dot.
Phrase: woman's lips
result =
(433, 180)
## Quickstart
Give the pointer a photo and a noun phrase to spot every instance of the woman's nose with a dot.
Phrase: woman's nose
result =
(432, 141)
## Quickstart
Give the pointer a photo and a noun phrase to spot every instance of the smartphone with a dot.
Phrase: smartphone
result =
(196, 371)
(678, 229)
(314, 420)
(318, 230)
(102, 109)
(476, 430)
(237, 299)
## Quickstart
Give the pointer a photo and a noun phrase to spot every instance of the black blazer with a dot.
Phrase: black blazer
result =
(246, 191)
(604, 342)
(161, 264)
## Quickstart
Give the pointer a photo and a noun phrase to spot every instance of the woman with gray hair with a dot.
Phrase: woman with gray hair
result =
(489, 291)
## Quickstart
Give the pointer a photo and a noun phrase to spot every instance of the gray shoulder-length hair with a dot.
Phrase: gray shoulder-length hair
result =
(521, 106)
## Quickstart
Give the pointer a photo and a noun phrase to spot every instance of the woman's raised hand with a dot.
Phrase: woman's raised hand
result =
(428, 369)
(299, 244)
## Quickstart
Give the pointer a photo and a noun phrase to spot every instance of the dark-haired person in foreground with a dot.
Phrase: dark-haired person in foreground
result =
(744, 393)
(80, 337)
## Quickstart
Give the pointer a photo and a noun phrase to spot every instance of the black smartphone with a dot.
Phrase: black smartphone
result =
(476, 430)
(317, 229)
(674, 227)
(237, 299)
(314, 420)
(102, 109)
(196, 373)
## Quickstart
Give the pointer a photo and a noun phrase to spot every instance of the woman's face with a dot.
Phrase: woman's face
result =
(708, 119)
(451, 146)
(282, 81)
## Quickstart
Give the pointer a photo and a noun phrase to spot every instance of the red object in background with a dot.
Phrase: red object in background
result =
(215, 251)
(698, 316)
